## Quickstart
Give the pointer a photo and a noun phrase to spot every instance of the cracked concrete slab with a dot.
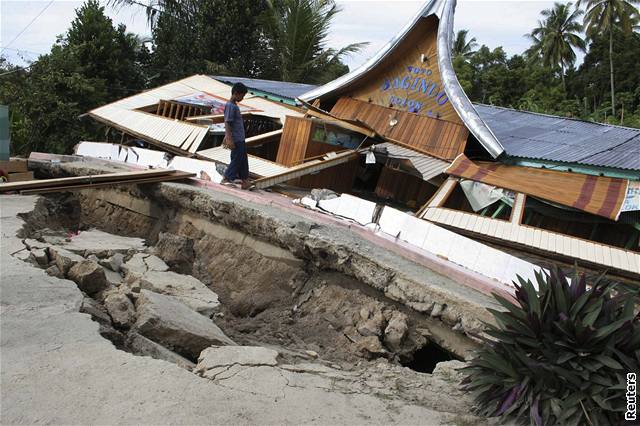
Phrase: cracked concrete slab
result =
(55, 368)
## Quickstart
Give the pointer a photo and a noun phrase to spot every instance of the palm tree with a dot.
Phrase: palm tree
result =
(462, 47)
(556, 36)
(299, 30)
(602, 17)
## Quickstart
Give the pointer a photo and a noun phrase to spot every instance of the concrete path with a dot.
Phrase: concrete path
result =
(56, 369)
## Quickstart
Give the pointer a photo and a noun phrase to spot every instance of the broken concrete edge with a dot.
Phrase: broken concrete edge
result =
(329, 254)
(458, 306)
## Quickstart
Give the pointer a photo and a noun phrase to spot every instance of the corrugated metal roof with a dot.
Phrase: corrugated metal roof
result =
(257, 165)
(428, 167)
(278, 88)
(545, 137)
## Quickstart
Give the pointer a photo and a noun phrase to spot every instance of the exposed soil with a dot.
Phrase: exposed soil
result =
(305, 311)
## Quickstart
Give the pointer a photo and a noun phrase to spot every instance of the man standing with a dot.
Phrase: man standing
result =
(234, 138)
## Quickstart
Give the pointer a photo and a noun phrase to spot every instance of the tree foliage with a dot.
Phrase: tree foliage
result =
(556, 37)
(94, 63)
(272, 39)
(299, 29)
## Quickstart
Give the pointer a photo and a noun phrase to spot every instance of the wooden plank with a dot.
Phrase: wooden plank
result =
(583, 250)
(484, 229)
(537, 235)
(477, 226)
(175, 175)
(457, 219)
(305, 169)
(616, 258)
(437, 214)
(264, 138)
(20, 177)
(14, 165)
(493, 227)
(429, 213)
(634, 262)
(518, 208)
(606, 256)
(599, 254)
(107, 177)
(591, 252)
(471, 223)
(575, 248)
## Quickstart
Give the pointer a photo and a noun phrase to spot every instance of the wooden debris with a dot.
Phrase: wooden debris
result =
(94, 181)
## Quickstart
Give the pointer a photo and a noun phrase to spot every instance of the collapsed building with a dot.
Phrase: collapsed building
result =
(388, 208)
(399, 131)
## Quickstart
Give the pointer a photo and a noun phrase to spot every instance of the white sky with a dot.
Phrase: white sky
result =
(494, 23)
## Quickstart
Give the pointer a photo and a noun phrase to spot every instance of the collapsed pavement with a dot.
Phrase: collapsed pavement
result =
(262, 302)
(56, 367)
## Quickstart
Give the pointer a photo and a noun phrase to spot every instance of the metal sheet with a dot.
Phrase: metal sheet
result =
(279, 88)
(428, 167)
(257, 165)
(545, 137)
(444, 10)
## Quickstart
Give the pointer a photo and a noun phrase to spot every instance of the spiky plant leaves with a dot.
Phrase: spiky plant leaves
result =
(558, 354)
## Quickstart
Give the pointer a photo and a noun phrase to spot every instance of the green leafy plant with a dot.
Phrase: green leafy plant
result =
(559, 354)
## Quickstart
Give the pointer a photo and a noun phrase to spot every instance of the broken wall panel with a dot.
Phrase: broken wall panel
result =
(442, 139)
(403, 188)
(599, 195)
(350, 207)
(456, 248)
(294, 140)
(339, 178)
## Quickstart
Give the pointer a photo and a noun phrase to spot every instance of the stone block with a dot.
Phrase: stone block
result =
(168, 321)
(189, 290)
(120, 309)
(89, 276)
(140, 345)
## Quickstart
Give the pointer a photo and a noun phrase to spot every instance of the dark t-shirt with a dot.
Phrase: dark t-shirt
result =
(234, 118)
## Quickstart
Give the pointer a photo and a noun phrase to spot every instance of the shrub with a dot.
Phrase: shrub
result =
(559, 355)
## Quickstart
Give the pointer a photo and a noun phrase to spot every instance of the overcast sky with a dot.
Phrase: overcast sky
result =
(494, 23)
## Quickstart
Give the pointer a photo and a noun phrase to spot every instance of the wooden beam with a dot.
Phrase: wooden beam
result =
(343, 123)
(107, 177)
(176, 175)
(213, 118)
(20, 177)
(264, 138)
(307, 168)
(14, 165)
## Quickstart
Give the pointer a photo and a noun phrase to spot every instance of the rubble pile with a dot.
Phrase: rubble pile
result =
(138, 303)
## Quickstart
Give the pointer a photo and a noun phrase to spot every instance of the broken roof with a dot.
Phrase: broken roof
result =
(174, 135)
(281, 89)
(425, 166)
(444, 11)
